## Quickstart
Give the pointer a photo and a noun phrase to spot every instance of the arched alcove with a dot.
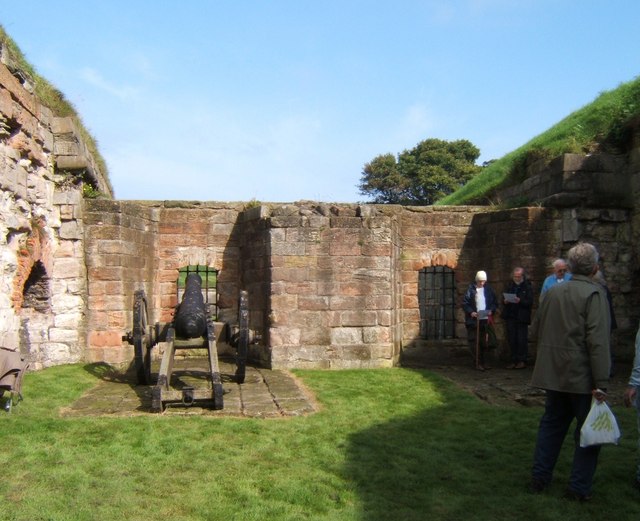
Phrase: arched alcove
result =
(36, 293)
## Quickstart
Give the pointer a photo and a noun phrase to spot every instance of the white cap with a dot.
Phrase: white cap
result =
(481, 275)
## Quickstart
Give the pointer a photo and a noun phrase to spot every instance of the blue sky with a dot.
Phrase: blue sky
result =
(286, 100)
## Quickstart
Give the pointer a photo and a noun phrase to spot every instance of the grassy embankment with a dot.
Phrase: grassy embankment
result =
(601, 125)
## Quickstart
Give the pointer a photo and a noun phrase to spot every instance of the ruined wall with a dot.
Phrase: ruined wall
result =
(42, 273)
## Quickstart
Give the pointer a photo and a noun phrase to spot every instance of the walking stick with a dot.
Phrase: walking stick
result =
(477, 342)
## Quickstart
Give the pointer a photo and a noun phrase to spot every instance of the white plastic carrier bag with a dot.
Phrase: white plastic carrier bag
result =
(600, 427)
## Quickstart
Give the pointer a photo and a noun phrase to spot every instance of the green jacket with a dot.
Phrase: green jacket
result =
(573, 338)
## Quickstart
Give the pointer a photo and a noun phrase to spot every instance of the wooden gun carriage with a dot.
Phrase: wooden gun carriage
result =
(192, 328)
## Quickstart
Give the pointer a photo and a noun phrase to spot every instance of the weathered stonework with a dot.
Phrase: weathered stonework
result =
(330, 285)
(41, 234)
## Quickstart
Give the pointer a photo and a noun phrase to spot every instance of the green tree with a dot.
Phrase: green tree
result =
(420, 176)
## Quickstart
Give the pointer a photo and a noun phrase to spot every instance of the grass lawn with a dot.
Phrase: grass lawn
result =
(392, 444)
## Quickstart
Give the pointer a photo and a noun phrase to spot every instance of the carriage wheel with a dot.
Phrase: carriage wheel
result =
(143, 338)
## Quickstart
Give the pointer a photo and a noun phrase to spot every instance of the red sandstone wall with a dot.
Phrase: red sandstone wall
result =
(121, 247)
(330, 286)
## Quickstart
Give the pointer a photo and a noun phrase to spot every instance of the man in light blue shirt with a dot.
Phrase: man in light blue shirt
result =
(560, 274)
(632, 395)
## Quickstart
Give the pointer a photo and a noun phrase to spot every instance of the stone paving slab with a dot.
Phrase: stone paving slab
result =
(501, 386)
(265, 393)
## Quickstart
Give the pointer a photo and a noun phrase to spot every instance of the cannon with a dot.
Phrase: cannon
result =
(191, 317)
(192, 328)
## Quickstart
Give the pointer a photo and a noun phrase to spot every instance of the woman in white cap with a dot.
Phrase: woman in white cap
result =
(479, 303)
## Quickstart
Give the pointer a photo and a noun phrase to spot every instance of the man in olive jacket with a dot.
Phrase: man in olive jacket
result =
(572, 365)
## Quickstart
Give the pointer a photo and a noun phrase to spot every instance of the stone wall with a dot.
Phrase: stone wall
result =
(121, 241)
(330, 285)
(332, 292)
(42, 275)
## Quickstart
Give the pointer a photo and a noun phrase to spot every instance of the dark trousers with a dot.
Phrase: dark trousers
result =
(482, 343)
(559, 412)
(518, 338)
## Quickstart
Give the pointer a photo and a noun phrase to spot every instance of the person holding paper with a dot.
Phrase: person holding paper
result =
(572, 366)
(479, 304)
(518, 300)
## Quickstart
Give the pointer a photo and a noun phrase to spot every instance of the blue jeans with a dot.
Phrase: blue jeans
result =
(638, 409)
(559, 412)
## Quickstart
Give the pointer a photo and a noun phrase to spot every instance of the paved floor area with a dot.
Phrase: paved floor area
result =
(501, 386)
(278, 394)
(265, 393)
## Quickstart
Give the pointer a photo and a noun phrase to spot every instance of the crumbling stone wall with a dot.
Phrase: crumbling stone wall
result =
(41, 247)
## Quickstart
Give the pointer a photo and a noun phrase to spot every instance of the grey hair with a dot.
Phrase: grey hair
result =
(556, 262)
(583, 258)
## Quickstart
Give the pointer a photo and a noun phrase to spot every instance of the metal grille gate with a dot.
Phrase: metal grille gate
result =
(209, 284)
(437, 302)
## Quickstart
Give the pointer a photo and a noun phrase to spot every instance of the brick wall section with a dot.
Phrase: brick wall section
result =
(203, 234)
(431, 236)
(121, 245)
(254, 276)
(331, 287)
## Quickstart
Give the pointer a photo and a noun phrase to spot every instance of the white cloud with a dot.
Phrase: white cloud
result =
(414, 126)
(93, 77)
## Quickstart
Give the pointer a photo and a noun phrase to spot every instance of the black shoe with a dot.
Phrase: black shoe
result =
(572, 495)
(537, 486)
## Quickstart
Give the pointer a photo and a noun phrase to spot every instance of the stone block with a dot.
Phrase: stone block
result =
(60, 335)
(376, 335)
(72, 162)
(67, 320)
(286, 248)
(284, 336)
(358, 318)
(312, 302)
(346, 335)
(67, 268)
(315, 336)
(67, 303)
(101, 339)
(71, 230)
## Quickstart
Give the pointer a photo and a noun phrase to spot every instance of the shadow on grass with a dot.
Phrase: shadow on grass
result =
(465, 459)
(109, 373)
(119, 378)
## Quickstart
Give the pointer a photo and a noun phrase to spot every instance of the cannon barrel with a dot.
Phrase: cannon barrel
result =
(191, 319)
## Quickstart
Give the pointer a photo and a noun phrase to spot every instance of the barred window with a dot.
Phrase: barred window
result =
(437, 302)
(209, 284)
